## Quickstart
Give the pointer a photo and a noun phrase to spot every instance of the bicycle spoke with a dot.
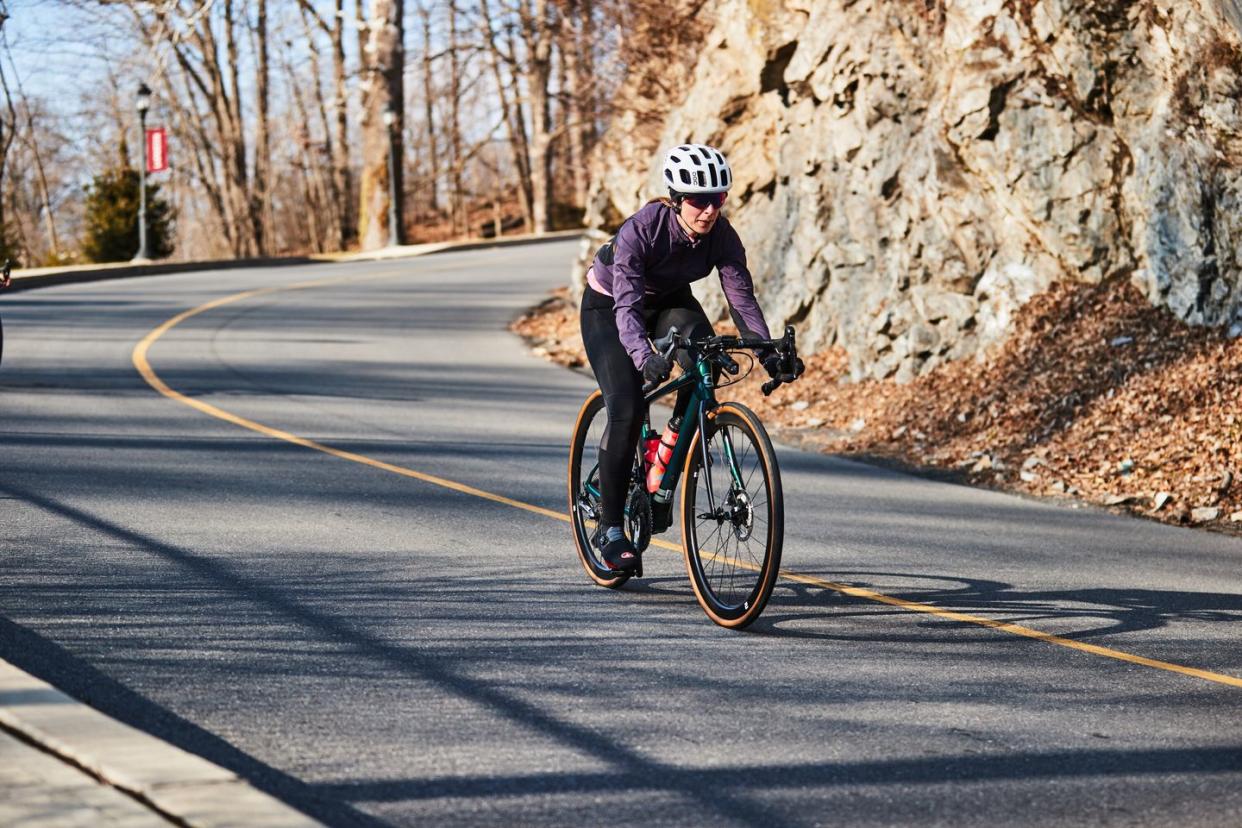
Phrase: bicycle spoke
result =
(733, 564)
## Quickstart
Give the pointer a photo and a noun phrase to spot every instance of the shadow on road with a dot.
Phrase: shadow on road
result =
(1098, 611)
(48, 661)
(730, 793)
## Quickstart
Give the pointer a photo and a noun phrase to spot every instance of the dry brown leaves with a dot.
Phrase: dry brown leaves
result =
(1096, 397)
(551, 329)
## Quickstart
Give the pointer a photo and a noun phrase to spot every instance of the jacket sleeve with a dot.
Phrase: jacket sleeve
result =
(628, 267)
(739, 287)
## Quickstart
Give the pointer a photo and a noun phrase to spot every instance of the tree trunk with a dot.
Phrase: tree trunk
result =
(226, 140)
(327, 181)
(433, 178)
(382, 91)
(260, 199)
(576, 55)
(538, 73)
(240, 178)
(8, 130)
(343, 178)
(454, 123)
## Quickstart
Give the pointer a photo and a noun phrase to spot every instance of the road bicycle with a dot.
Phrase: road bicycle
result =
(732, 507)
(5, 280)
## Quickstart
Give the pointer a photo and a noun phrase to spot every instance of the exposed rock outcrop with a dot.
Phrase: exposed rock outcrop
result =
(909, 172)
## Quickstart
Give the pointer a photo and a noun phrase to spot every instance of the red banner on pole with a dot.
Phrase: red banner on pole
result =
(157, 150)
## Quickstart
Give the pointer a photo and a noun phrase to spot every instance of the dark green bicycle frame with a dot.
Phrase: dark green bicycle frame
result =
(702, 400)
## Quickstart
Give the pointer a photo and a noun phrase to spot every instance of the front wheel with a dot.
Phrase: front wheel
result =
(733, 516)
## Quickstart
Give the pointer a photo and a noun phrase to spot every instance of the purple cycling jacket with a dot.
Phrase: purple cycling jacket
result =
(652, 255)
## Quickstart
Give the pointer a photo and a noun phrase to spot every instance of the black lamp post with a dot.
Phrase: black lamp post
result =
(143, 104)
(394, 236)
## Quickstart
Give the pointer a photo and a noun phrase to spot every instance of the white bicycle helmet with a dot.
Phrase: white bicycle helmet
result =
(697, 168)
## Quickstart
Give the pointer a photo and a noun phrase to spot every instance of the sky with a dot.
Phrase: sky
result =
(56, 49)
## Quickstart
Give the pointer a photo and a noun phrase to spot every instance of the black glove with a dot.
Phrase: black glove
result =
(781, 368)
(773, 364)
(656, 368)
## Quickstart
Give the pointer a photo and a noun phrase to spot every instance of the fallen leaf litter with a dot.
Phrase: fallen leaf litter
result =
(1096, 396)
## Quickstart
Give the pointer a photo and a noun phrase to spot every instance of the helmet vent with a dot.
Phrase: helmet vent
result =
(696, 168)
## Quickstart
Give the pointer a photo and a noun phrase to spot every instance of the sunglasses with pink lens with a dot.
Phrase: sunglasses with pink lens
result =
(701, 201)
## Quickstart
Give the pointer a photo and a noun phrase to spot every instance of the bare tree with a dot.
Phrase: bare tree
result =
(527, 43)
(264, 159)
(537, 31)
(429, 97)
(577, 91)
(32, 143)
(8, 131)
(502, 61)
(320, 219)
(260, 197)
(326, 222)
(454, 119)
(382, 87)
(208, 108)
(338, 142)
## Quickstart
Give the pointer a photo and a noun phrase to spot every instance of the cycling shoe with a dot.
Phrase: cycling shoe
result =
(619, 555)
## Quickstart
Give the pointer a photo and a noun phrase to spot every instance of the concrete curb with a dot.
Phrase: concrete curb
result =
(31, 278)
(175, 784)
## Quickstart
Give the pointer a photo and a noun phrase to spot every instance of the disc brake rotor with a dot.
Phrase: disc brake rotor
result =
(741, 515)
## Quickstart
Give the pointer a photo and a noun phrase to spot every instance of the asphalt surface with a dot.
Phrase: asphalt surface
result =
(376, 649)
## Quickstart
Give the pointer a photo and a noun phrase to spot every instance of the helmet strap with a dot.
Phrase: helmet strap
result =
(685, 227)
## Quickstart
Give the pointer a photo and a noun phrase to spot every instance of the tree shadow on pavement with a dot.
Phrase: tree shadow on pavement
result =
(1097, 611)
(449, 673)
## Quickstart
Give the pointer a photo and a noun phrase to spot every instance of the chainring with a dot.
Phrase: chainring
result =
(638, 517)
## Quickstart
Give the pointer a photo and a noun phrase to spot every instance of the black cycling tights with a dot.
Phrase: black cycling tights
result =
(622, 384)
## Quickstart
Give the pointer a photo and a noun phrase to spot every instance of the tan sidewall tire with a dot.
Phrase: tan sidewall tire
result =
(776, 526)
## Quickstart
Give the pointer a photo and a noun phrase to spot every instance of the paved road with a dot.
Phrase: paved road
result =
(377, 649)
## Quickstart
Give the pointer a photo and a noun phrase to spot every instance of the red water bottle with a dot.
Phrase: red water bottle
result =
(650, 446)
(663, 453)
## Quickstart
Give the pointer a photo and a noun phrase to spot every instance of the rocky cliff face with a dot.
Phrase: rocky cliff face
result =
(909, 172)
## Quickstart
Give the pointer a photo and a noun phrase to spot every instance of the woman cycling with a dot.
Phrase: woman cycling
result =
(638, 287)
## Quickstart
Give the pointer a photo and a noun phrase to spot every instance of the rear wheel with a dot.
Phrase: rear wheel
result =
(584, 497)
(733, 516)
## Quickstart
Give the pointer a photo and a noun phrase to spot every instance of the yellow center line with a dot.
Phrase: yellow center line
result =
(143, 367)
